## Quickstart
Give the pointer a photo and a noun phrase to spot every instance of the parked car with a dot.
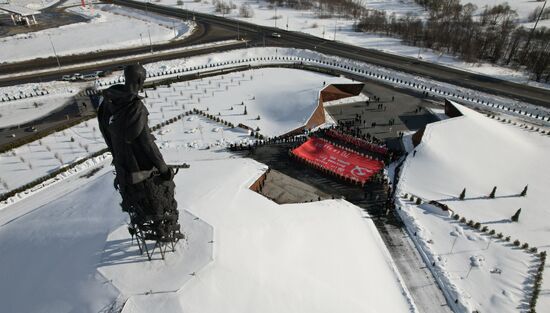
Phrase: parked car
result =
(92, 76)
(77, 76)
(102, 73)
(66, 77)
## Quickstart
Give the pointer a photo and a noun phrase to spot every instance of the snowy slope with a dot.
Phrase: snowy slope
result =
(38, 158)
(282, 258)
(51, 245)
(477, 153)
(283, 98)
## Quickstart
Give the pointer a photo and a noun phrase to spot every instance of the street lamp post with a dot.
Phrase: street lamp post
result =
(150, 41)
(54, 52)
(533, 31)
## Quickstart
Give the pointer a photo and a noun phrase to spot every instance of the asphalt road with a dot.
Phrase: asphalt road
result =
(77, 109)
(261, 35)
(215, 28)
(205, 33)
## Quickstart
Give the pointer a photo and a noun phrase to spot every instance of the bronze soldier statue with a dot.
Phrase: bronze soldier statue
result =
(143, 179)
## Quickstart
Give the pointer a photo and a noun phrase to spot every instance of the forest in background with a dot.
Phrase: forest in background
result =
(493, 35)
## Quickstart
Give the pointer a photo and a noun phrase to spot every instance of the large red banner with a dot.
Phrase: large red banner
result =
(342, 162)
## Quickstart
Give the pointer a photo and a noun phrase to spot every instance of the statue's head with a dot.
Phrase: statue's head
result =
(134, 76)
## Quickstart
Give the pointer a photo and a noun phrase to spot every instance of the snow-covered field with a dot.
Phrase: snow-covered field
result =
(31, 161)
(109, 27)
(283, 105)
(341, 29)
(282, 257)
(20, 111)
(477, 153)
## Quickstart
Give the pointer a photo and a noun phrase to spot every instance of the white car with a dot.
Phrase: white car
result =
(276, 35)
(66, 77)
(77, 76)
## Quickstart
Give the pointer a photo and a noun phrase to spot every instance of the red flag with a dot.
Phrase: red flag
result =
(342, 162)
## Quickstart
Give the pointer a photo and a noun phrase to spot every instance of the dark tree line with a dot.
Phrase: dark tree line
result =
(493, 36)
(451, 27)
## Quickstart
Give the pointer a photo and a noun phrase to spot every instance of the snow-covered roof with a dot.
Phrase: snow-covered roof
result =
(321, 256)
(477, 153)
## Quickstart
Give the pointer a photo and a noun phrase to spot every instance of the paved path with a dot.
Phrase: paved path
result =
(417, 276)
(283, 189)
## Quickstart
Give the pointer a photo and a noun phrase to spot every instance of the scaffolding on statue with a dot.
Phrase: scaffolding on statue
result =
(161, 229)
(164, 235)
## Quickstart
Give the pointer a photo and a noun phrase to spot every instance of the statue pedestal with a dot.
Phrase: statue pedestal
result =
(133, 274)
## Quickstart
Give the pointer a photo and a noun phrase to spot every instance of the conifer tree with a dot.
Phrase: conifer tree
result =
(515, 217)
(492, 195)
(462, 194)
(524, 192)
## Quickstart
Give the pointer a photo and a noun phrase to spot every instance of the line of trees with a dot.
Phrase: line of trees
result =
(451, 27)
(493, 35)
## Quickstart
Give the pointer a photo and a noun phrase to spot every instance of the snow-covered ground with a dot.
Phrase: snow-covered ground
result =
(109, 27)
(31, 161)
(284, 99)
(34, 4)
(341, 29)
(260, 56)
(281, 256)
(524, 8)
(195, 134)
(283, 104)
(477, 153)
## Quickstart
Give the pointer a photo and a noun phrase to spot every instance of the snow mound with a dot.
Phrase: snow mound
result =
(477, 260)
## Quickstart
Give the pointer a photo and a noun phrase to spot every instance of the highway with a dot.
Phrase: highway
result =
(215, 28)
(261, 35)
(204, 33)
